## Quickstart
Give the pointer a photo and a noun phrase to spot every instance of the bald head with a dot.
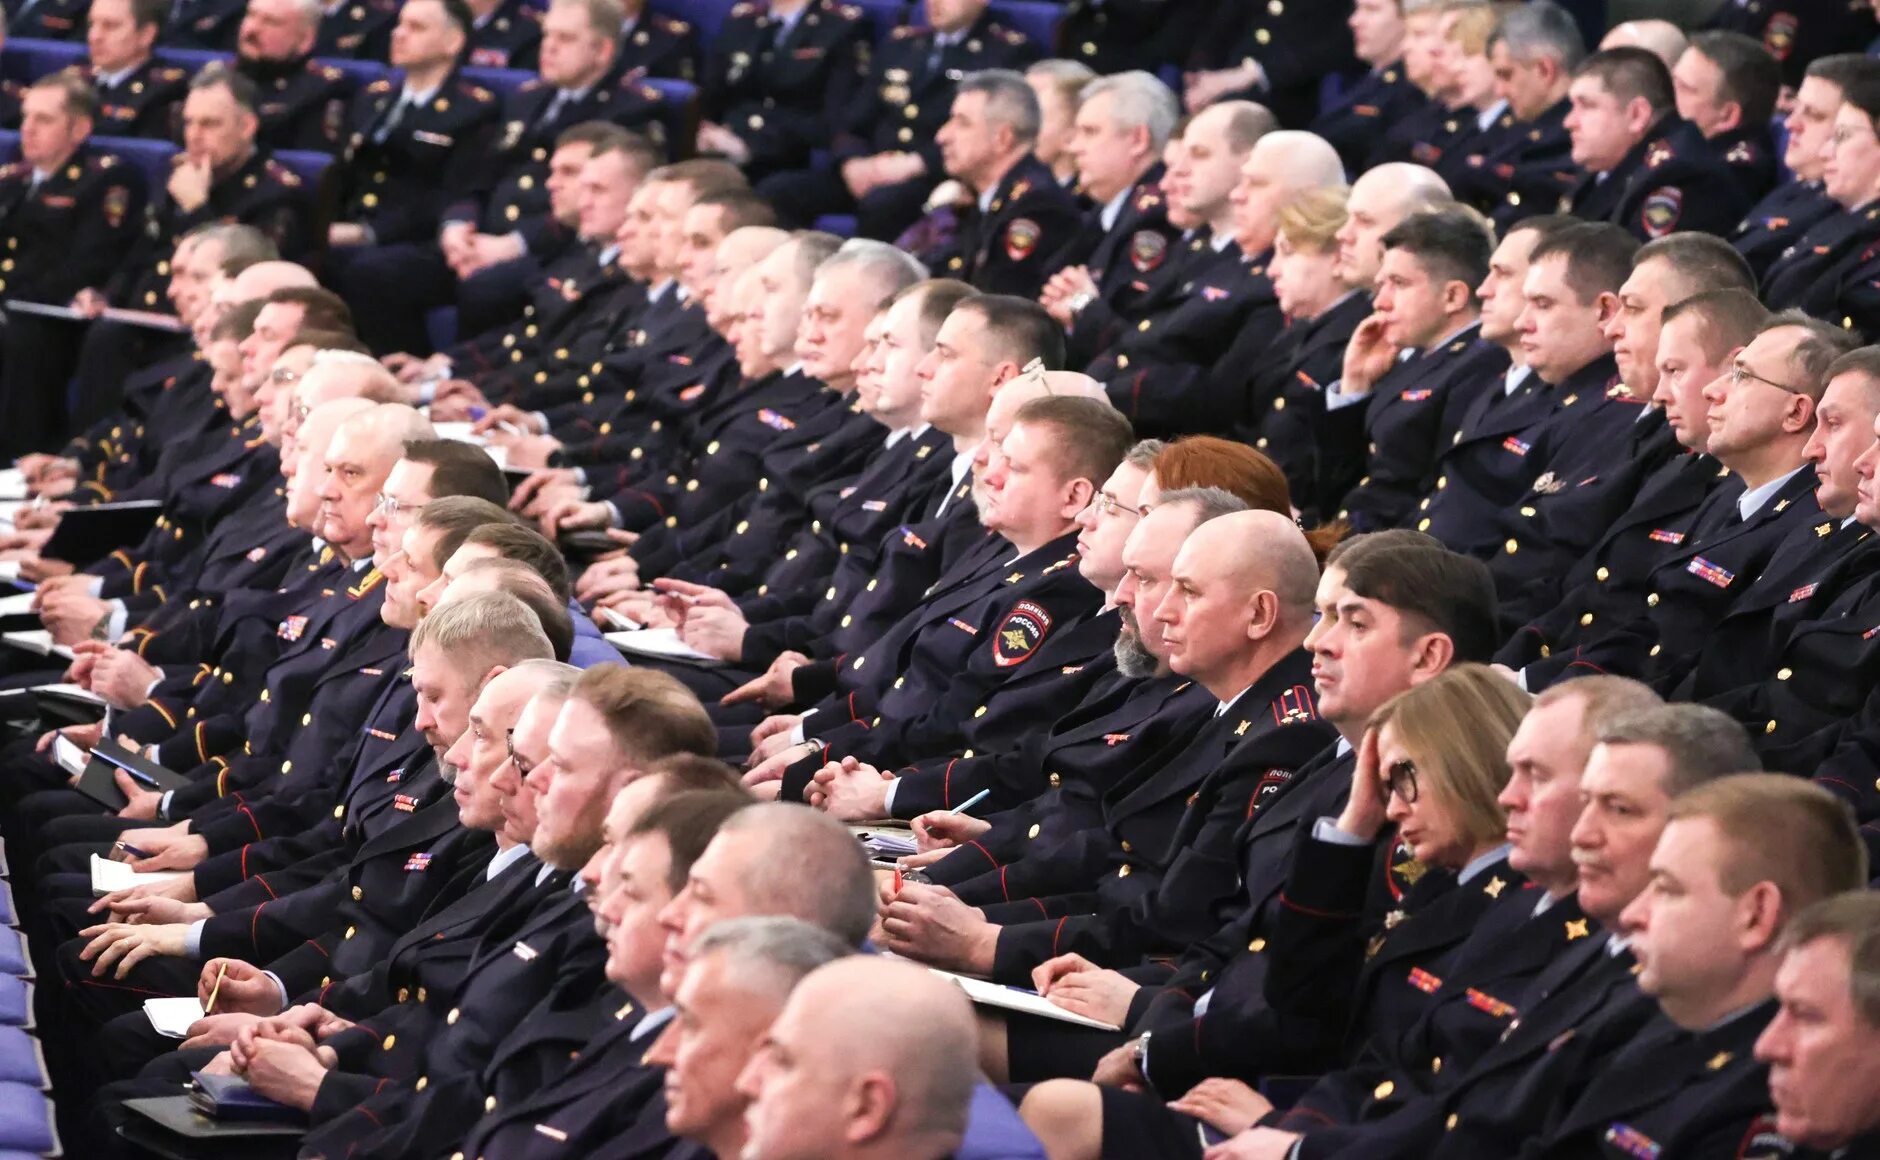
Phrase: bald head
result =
(1298, 160)
(1379, 201)
(869, 1058)
(1242, 599)
(748, 245)
(264, 278)
(1074, 384)
(313, 433)
(1661, 38)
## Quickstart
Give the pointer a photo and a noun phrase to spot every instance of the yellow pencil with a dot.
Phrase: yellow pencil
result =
(209, 1007)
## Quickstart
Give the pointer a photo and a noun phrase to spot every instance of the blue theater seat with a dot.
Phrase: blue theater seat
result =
(21, 1062)
(36, 58)
(1033, 18)
(26, 1125)
(153, 157)
(708, 16)
(501, 81)
(884, 16)
(360, 73)
(306, 164)
(14, 960)
(189, 58)
(16, 1002)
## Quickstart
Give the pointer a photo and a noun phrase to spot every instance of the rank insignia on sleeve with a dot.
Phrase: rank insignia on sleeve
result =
(1020, 633)
(1021, 239)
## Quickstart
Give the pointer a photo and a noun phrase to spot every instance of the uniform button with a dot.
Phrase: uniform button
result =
(1449, 1125)
(306, 719)
(489, 1103)
(1442, 481)
(351, 931)
(1143, 325)
(1655, 649)
(1127, 848)
(1382, 1091)
(899, 681)
(1033, 832)
(1055, 780)
(391, 1041)
(404, 994)
(1125, 871)
(1651, 601)
(1423, 525)
(287, 767)
(871, 584)
(1784, 674)
(424, 1081)
(847, 620)
(456, 1013)
(423, 994)
(1528, 512)
(339, 811)
(1512, 546)
(979, 712)
(1436, 1064)
(1586, 618)
(1257, 945)
(359, 893)
(1603, 575)
(1771, 727)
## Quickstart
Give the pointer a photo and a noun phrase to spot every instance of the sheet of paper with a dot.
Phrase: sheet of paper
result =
(12, 483)
(660, 642)
(17, 603)
(71, 692)
(37, 640)
(9, 569)
(173, 1017)
(459, 432)
(1021, 1000)
(108, 876)
(888, 845)
(69, 757)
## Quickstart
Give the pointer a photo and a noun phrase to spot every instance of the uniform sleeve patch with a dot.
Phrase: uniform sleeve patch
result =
(1661, 211)
(1021, 238)
(1020, 633)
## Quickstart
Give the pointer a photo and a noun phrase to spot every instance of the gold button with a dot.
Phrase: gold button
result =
(1784, 674)
(1423, 525)
(306, 719)
(1442, 481)
(358, 894)
(455, 1014)
(1586, 618)
(404, 994)
(1124, 872)
(287, 767)
(1383, 1090)
(1771, 727)
(1602, 575)
(1257, 945)
(1511, 547)
(979, 712)
(847, 620)
(1436, 1064)
(1655, 649)
(1033, 832)
(871, 585)
(1055, 781)
(1449, 1125)
(905, 135)
(391, 1041)
(1127, 848)
(423, 994)
(1651, 601)
(424, 1081)
(339, 811)
(351, 931)
(489, 1103)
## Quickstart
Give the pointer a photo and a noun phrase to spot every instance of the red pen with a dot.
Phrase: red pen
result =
(897, 880)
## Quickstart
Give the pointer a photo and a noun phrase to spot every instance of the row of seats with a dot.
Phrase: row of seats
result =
(26, 1109)
(25, 60)
(153, 157)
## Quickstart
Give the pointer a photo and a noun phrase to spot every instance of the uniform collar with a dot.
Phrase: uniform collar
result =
(1113, 209)
(1752, 501)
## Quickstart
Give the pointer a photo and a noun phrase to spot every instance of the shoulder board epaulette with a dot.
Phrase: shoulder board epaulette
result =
(381, 86)
(905, 32)
(168, 74)
(103, 160)
(1009, 35)
(479, 94)
(281, 173)
(650, 93)
(326, 72)
(1148, 199)
(12, 169)
(668, 24)
(531, 85)
(849, 11)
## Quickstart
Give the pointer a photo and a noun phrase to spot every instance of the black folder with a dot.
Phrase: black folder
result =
(99, 780)
(88, 534)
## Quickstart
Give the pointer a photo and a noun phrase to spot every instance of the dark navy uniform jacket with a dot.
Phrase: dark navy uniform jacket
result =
(1778, 221)
(145, 103)
(1006, 248)
(69, 232)
(303, 103)
(781, 89)
(1671, 180)
(1365, 110)
(406, 161)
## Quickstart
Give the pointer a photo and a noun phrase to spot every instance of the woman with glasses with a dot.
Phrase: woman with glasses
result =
(1380, 899)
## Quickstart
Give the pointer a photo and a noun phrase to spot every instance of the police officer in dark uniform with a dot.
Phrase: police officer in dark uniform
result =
(886, 161)
(1726, 87)
(303, 102)
(213, 25)
(653, 44)
(136, 96)
(222, 177)
(778, 77)
(1778, 221)
(504, 34)
(1110, 36)
(45, 19)
(414, 143)
(359, 29)
(1020, 215)
(1526, 169)
(1652, 182)
(1276, 53)
(1799, 32)
(1380, 98)
(1815, 272)
(67, 214)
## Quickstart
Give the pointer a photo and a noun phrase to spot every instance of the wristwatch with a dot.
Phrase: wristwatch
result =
(1140, 1056)
(1082, 300)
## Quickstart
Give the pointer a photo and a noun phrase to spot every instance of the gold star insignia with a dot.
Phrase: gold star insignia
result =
(1240, 730)
(1495, 887)
(1718, 1060)
(1576, 929)
(1014, 577)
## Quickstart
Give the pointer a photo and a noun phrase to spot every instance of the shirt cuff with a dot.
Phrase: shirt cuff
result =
(1337, 400)
(887, 803)
(163, 804)
(192, 942)
(1326, 830)
(94, 586)
(117, 619)
(278, 986)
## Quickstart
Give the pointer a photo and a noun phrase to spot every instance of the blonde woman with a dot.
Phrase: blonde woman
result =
(1285, 390)
(1431, 766)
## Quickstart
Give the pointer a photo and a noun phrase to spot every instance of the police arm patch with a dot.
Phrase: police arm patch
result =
(1661, 211)
(1021, 238)
(1020, 633)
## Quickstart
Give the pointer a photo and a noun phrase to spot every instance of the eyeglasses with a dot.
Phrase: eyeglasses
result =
(1108, 505)
(301, 411)
(509, 747)
(286, 376)
(391, 508)
(1401, 778)
(1739, 374)
(1842, 134)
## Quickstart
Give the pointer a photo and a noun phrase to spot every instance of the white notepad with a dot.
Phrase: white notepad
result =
(71, 692)
(173, 1017)
(37, 640)
(1021, 1000)
(660, 642)
(69, 756)
(108, 877)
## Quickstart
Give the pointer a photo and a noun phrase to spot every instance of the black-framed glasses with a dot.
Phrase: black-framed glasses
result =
(1401, 778)
(509, 747)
